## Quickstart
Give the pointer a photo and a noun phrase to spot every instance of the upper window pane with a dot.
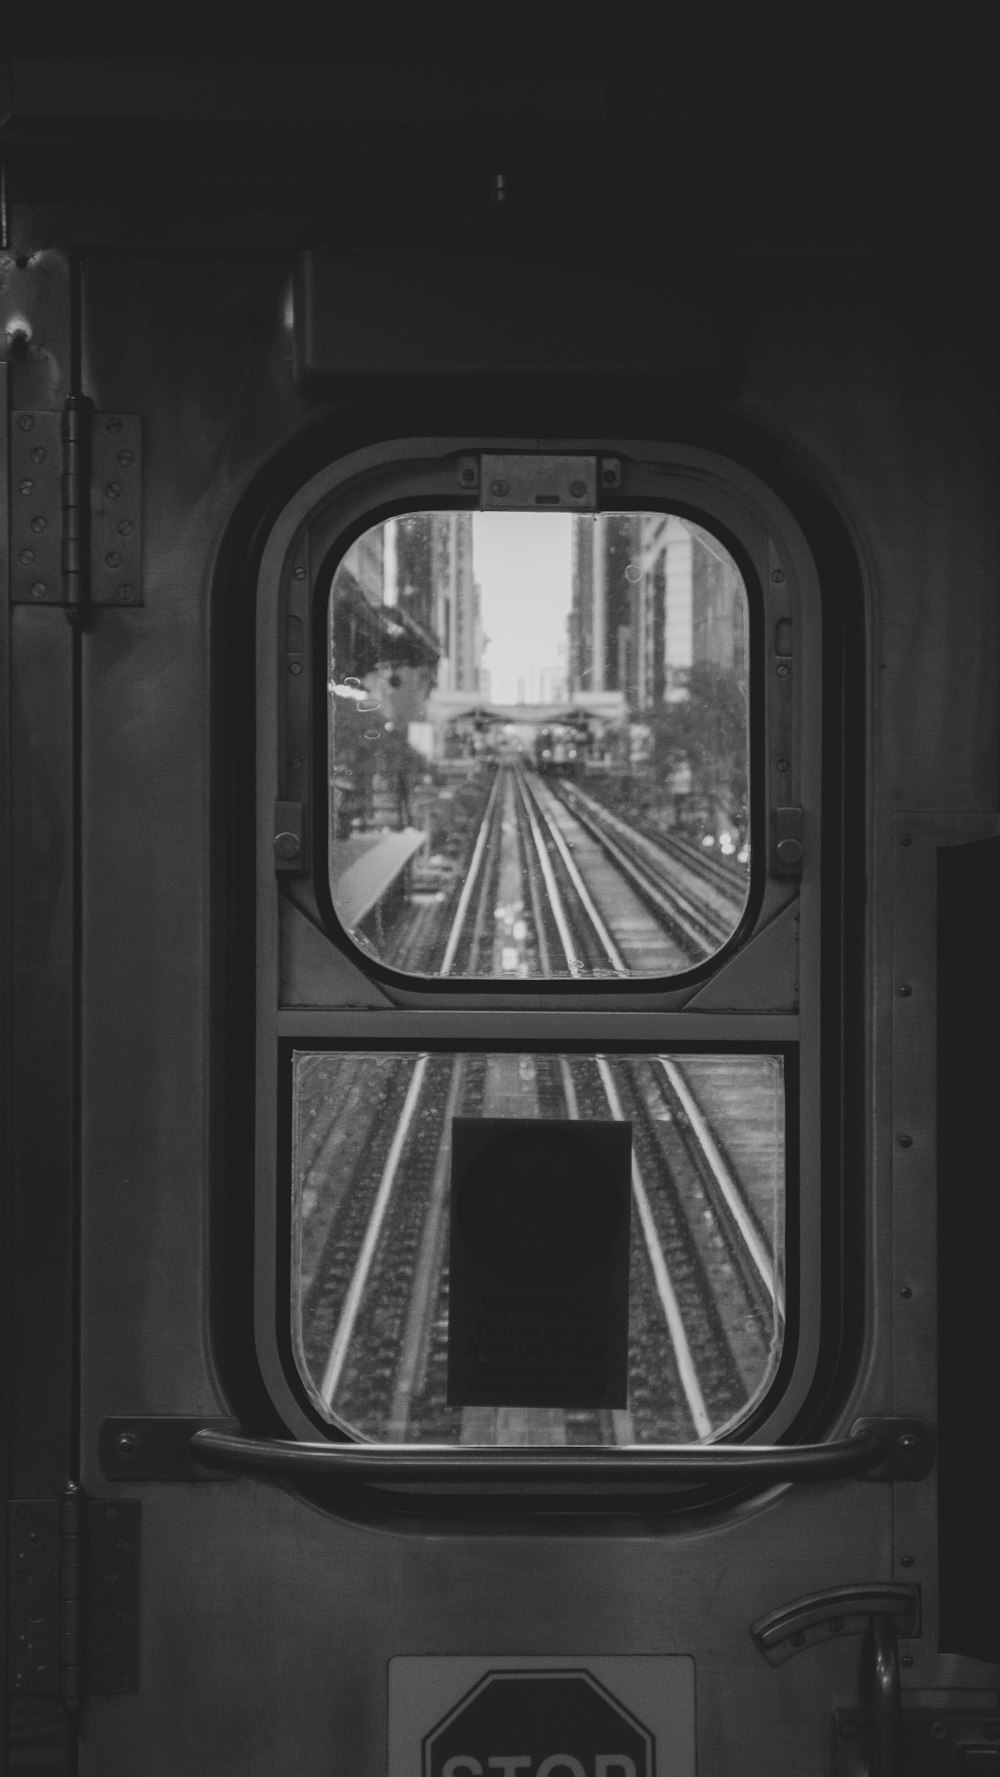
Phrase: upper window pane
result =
(539, 745)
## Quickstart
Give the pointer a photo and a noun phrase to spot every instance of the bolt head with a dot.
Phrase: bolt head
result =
(499, 488)
(26, 487)
(126, 1442)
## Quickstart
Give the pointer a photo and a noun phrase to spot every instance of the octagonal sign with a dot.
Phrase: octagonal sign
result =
(531, 1723)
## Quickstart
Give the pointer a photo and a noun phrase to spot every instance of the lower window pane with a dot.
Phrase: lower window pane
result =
(371, 1170)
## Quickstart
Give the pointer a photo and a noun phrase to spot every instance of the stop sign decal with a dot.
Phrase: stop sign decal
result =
(538, 1723)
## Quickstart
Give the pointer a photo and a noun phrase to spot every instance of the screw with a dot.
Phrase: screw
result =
(578, 489)
(939, 1730)
(906, 1292)
(27, 487)
(468, 476)
(904, 990)
(126, 1442)
(26, 556)
(609, 478)
(300, 573)
(499, 488)
(112, 425)
(777, 575)
(126, 527)
(124, 595)
(38, 454)
(782, 670)
(906, 1560)
(125, 457)
(113, 489)
(113, 559)
(782, 764)
(906, 1141)
(295, 764)
(906, 1660)
(38, 526)
(295, 666)
(26, 422)
(38, 590)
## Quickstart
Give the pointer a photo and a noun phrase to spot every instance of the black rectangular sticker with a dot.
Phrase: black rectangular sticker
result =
(539, 1267)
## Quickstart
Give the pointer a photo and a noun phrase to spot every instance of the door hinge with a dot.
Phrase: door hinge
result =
(76, 507)
(73, 1613)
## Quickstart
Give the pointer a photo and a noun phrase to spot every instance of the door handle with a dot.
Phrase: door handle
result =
(876, 1449)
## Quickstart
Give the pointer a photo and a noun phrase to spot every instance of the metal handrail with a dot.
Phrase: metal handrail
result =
(875, 1449)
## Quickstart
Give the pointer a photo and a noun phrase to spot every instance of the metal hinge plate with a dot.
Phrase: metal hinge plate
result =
(37, 557)
(73, 1613)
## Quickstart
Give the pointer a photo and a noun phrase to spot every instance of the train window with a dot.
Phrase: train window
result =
(371, 1170)
(539, 842)
(539, 744)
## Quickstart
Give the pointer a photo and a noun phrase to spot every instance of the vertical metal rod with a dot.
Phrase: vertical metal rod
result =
(70, 1599)
(887, 1739)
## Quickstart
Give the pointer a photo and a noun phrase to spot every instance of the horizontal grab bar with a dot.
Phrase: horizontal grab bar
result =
(877, 1449)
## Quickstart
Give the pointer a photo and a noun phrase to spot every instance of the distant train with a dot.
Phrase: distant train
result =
(560, 750)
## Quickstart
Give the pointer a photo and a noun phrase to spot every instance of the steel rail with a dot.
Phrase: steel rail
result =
(359, 1278)
(475, 864)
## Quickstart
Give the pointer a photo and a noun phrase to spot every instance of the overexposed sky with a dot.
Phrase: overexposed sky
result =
(523, 563)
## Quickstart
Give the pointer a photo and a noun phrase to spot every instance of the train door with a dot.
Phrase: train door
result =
(465, 1323)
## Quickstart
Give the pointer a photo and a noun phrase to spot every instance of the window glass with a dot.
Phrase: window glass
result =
(538, 744)
(371, 1169)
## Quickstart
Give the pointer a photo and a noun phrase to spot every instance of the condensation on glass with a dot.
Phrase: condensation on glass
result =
(371, 1164)
(539, 745)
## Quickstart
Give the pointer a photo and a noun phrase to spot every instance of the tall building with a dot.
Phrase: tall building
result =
(600, 627)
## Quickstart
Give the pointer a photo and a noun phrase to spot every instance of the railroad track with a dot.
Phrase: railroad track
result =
(706, 1306)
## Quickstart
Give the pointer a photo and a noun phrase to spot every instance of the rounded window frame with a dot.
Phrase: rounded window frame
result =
(349, 496)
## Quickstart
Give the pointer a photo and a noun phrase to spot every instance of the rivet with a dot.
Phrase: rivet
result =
(906, 1560)
(798, 1639)
(38, 454)
(906, 1141)
(26, 487)
(295, 666)
(125, 457)
(578, 489)
(782, 764)
(126, 527)
(124, 595)
(113, 489)
(906, 1660)
(26, 422)
(500, 488)
(904, 990)
(300, 574)
(908, 1444)
(26, 556)
(38, 526)
(113, 559)
(777, 575)
(38, 589)
(782, 670)
(906, 1292)
(906, 839)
